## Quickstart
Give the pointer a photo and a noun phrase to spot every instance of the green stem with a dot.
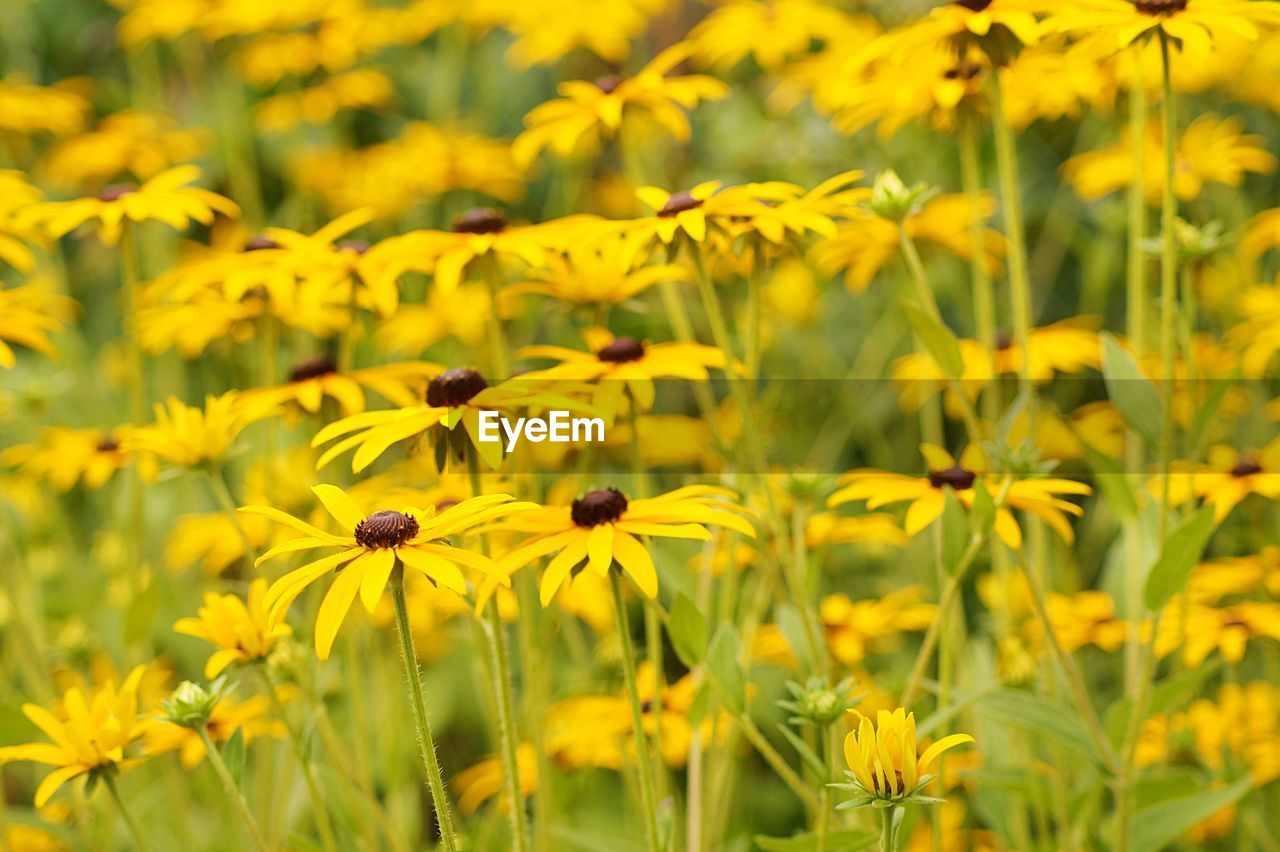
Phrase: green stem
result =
(949, 592)
(218, 485)
(139, 839)
(1019, 283)
(890, 821)
(984, 297)
(644, 763)
(426, 743)
(232, 789)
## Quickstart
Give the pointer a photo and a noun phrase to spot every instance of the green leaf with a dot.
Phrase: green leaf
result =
(1158, 825)
(982, 515)
(937, 340)
(688, 631)
(1114, 483)
(845, 840)
(1052, 721)
(1170, 691)
(724, 668)
(1131, 391)
(791, 622)
(1180, 553)
(1207, 408)
(233, 755)
(955, 530)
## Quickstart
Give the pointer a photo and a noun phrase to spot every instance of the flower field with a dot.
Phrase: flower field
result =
(663, 425)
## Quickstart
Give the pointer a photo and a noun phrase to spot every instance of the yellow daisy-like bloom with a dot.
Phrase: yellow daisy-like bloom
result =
(1227, 477)
(16, 195)
(1228, 629)
(27, 109)
(1211, 150)
(454, 397)
(357, 89)
(65, 456)
(929, 83)
(770, 32)
(371, 549)
(1037, 495)
(191, 437)
(547, 31)
(1194, 23)
(852, 627)
(486, 780)
(97, 735)
(28, 315)
(462, 313)
(882, 758)
(605, 271)
(620, 363)
(1257, 337)
(862, 246)
(1086, 618)
(238, 628)
(602, 526)
(996, 25)
(314, 379)
(140, 144)
(164, 198)
(588, 112)
(250, 717)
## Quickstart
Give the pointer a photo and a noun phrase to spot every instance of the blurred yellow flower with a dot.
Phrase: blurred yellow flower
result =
(1086, 618)
(361, 88)
(28, 315)
(1225, 478)
(770, 32)
(192, 437)
(485, 780)
(64, 457)
(1193, 23)
(237, 627)
(853, 628)
(314, 379)
(27, 109)
(129, 142)
(16, 195)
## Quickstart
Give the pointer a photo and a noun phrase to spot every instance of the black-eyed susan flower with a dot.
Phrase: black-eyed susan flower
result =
(310, 381)
(601, 528)
(64, 457)
(770, 33)
(372, 547)
(454, 397)
(587, 113)
(999, 27)
(853, 627)
(485, 780)
(356, 89)
(1198, 630)
(1034, 494)
(28, 110)
(604, 271)
(883, 760)
(625, 362)
(1086, 618)
(238, 627)
(191, 437)
(16, 195)
(130, 142)
(28, 315)
(1193, 23)
(1226, 477)
(164, 198)
(100, 733)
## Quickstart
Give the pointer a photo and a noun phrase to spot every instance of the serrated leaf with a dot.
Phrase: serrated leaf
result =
(1131, 392)
(1179, 554)
(724, 668)
(844, 840)
(937, 340)
(1158, 825)
(688, 631)
(1053, 721)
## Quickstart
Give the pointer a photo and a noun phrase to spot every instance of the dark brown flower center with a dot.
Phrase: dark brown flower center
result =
(679, 203)
(454, 388)
(354, 246)
(1160, 7)
(1246, 466)
(974, 5)
(117, 191)
(622, 350)
(964, 71)
(1004, 340)
(386, 529)
(482, 220)
(609, 83)
(899, 785)
(260, 243)
(598, 507)
(956, 477)
(313, 368)
(108, 445)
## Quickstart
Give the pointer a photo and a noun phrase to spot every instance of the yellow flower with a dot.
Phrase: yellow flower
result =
(1227, 477)
(620, 363)
(314, 379)
(360, 88)
(863, 245)
(1257, 337)
(65, 456)
(454, 397)
(1195, 24)
(98, 734)
(1086, 618)
(28, 315)
(852, 626)
(596, 272)
(927, 83)
(1034, 494)
(1237, 575)
(191, 437)
(1206, 629)
(770, 32)
(27, 109)
(588, 112)
(462, 313)
(882, 758)
(16, 195)
(371, 549)
(237, 627)
(997, 26)
(602, 526)
(131, 142)
(250, 717)
(165, 198)
(485, 780)
(1211, 150)
(547, 31)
